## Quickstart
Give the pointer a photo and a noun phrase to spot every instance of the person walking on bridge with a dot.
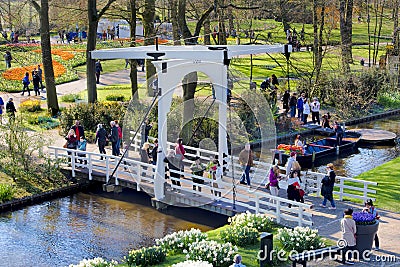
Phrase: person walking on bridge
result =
(328, 183)
(246, 161)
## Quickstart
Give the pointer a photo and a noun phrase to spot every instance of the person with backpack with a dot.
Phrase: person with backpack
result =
(26, 82)
(328, 182)
(8, 58)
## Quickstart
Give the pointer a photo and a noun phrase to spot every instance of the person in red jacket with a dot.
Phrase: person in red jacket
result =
(120, 137)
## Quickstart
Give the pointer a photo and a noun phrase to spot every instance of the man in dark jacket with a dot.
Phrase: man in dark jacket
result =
(78, 128)
(10, 110)
(98, 69)
(114, 137)
(292, 105)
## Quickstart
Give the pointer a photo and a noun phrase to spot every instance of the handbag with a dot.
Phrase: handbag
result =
(301, 192)
(267, 186)
(65, 145)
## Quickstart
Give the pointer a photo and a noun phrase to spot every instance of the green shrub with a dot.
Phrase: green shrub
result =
(32, 119)
(146, 256)
(6, 192)
(70, 98)
(91, 114)
(115, 98)
(240, 236)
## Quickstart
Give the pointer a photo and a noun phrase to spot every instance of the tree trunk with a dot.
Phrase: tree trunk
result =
(379, 29)
(174, 19)
(91, 45)
(133, 62)
(284, 14)
(52, 100)
(396, 26)
(207, 32)
(148, 26)
(346, 15)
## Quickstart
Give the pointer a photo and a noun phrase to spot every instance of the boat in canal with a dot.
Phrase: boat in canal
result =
(316, 150)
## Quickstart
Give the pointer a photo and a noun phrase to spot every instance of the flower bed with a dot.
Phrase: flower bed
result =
(240, 235)
(260, 222)
(65, 55)
(145, 256)
(179, 241)
(17, 74)
(289, 148)
(213, 252)
(364, 218)
(96, 262)
(30, 105)
(190, 263)
(300, 239)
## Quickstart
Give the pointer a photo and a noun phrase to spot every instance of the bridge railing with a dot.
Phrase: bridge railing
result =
(140, 173)
(254, 201)
(129, 169)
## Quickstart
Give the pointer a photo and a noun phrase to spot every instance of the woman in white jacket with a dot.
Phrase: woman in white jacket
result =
(306, 110)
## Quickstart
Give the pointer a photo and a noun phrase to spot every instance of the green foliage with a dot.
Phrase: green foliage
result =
(91, 114)
(6, 192)
(22, 159)
(389, 100)
(44, 122)
(115, 97)
(240, 236)
(70, 98)
(146, 256)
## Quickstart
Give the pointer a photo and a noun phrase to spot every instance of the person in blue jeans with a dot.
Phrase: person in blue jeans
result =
(328, 183)
(246, 161)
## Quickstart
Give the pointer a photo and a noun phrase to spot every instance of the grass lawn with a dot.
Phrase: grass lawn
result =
(388, 178)
(108, 66)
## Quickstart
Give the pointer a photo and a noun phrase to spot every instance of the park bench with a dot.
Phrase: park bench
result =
(313, 255)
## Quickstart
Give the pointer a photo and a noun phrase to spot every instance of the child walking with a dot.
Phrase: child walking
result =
(348, 227)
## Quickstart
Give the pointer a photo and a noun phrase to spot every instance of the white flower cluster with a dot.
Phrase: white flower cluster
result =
(259, 221)
(300, 239)
(190, 263)
(178, 241)
(211, 251)
(96, 262)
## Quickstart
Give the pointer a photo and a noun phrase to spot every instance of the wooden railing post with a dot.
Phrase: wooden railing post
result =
(73, 164)
(257, 204)
(341, 189)
(139, 176)
(278, 211)
(365, 191)
(90, 168)
(300, 215)
(107, 169)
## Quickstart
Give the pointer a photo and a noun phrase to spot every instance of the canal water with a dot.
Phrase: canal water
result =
(366, 157)
(66, 230)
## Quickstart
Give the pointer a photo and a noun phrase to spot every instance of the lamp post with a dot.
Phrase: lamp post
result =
(287, 56)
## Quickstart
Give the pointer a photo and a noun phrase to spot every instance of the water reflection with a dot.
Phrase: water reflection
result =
(64, 231)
